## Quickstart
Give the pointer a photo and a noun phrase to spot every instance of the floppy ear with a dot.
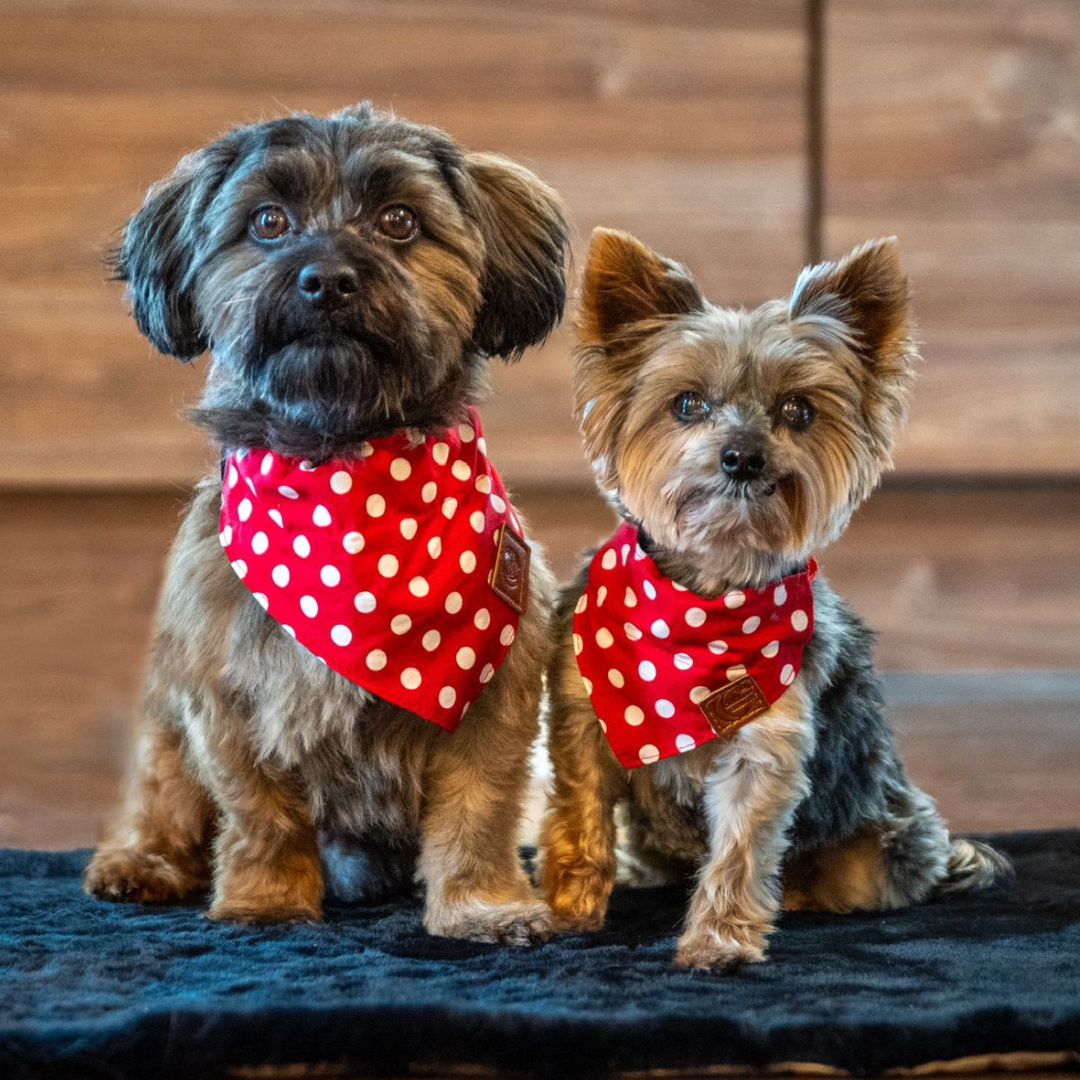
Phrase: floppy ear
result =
(626, 282)
(157, 255)
(867, 293)
(524, 231)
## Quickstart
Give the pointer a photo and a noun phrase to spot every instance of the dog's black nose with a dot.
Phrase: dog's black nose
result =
(742, 462)
(327, 284)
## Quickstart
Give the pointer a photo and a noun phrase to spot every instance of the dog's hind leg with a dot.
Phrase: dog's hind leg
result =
(905, 860)
(158, 849)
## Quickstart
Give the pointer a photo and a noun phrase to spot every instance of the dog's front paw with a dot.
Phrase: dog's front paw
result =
(254, 915)
(522, 922)
(136, 876)
(719, 950)
(578, 924)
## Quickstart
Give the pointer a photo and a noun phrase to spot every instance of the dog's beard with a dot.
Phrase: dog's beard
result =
(337, 385)
(313, 382)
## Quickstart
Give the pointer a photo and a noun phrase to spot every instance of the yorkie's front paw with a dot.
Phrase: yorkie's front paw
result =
(522, 922)
(256, 914)
(578, 924)
(719, 951)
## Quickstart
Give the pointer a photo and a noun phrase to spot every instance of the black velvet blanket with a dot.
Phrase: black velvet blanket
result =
(95, 989)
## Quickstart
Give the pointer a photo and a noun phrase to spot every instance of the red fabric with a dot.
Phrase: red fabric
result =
(381, 564)
(649, 650)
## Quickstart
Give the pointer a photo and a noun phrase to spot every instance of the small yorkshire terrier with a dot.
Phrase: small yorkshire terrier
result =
(705, 680)
(351, 276)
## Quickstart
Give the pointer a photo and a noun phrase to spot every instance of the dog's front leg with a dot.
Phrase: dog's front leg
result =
(266, 858)
(476, 779)
(751, 792)
(578, 839)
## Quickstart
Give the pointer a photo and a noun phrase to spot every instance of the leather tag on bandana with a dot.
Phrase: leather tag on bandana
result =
(510, 582)
(734, 705)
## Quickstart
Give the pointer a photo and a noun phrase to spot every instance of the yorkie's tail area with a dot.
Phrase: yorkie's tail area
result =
(973, 865)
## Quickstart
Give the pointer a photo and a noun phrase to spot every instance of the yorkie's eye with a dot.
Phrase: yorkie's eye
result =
(397, 223)
(269, 222)
(690, 406)
(797, 413)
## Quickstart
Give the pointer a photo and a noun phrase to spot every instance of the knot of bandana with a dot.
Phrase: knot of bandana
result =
(402, 569)
(667, 670)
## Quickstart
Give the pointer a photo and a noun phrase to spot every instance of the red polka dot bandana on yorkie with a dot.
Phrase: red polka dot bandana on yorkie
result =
(667, 670)
(403, 569)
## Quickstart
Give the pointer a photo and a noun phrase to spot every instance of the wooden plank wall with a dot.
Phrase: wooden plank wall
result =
(957, 127)
(954, 126)
(682, 123)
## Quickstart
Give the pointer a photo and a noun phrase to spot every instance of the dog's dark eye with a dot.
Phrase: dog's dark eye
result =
(690, 405)
(797, 413)
(269, 223)
(397, 223)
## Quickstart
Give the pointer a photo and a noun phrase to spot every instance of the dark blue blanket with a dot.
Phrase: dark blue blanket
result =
(97, 989)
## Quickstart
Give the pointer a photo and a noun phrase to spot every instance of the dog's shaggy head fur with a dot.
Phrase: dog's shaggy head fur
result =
(351, 275)
(741, 441)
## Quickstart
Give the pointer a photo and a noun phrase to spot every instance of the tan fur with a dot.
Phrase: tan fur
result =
(849, 876)
(578, 837)
(728, 808)
(248, 735)
(755, 782)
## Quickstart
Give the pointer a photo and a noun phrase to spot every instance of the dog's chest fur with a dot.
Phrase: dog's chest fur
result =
(360, 760)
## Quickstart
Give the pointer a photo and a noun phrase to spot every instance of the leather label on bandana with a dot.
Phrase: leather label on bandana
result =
(734, 705)
(510, 581)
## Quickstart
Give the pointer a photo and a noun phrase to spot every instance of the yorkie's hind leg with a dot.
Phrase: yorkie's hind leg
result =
(158, 850)
(849, 876)
(904, 860)
(362, 869)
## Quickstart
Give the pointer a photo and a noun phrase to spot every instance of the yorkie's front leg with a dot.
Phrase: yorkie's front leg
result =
(756, 782)
(577, 843)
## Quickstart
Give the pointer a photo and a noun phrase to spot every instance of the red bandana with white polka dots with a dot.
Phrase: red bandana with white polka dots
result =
(667, 670)
(385, 565)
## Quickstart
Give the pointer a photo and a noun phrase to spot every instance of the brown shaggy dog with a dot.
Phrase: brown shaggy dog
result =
(258, 766)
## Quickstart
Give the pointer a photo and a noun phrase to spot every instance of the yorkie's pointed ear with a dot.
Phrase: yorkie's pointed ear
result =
(157, 256)
(524, 232)
(626, 282)
(867, 292)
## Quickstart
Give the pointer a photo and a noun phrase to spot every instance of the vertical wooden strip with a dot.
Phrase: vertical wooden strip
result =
(815, 128)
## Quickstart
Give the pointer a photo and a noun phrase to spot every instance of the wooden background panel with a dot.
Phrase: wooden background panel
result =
(687, 129)
(957, 127)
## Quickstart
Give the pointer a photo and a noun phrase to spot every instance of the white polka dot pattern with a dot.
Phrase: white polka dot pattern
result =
(381, 565)
(650, 651)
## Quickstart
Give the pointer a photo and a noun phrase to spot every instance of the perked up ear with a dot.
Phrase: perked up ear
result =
(867, 292)
(627, 290)
(626, 282)
(157, 255)
(524, 231)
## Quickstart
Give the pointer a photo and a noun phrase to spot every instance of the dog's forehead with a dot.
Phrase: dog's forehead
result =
(722, 350)
(308, 158)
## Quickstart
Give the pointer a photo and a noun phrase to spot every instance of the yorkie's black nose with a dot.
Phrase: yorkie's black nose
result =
(742, 462)
(327, 285)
